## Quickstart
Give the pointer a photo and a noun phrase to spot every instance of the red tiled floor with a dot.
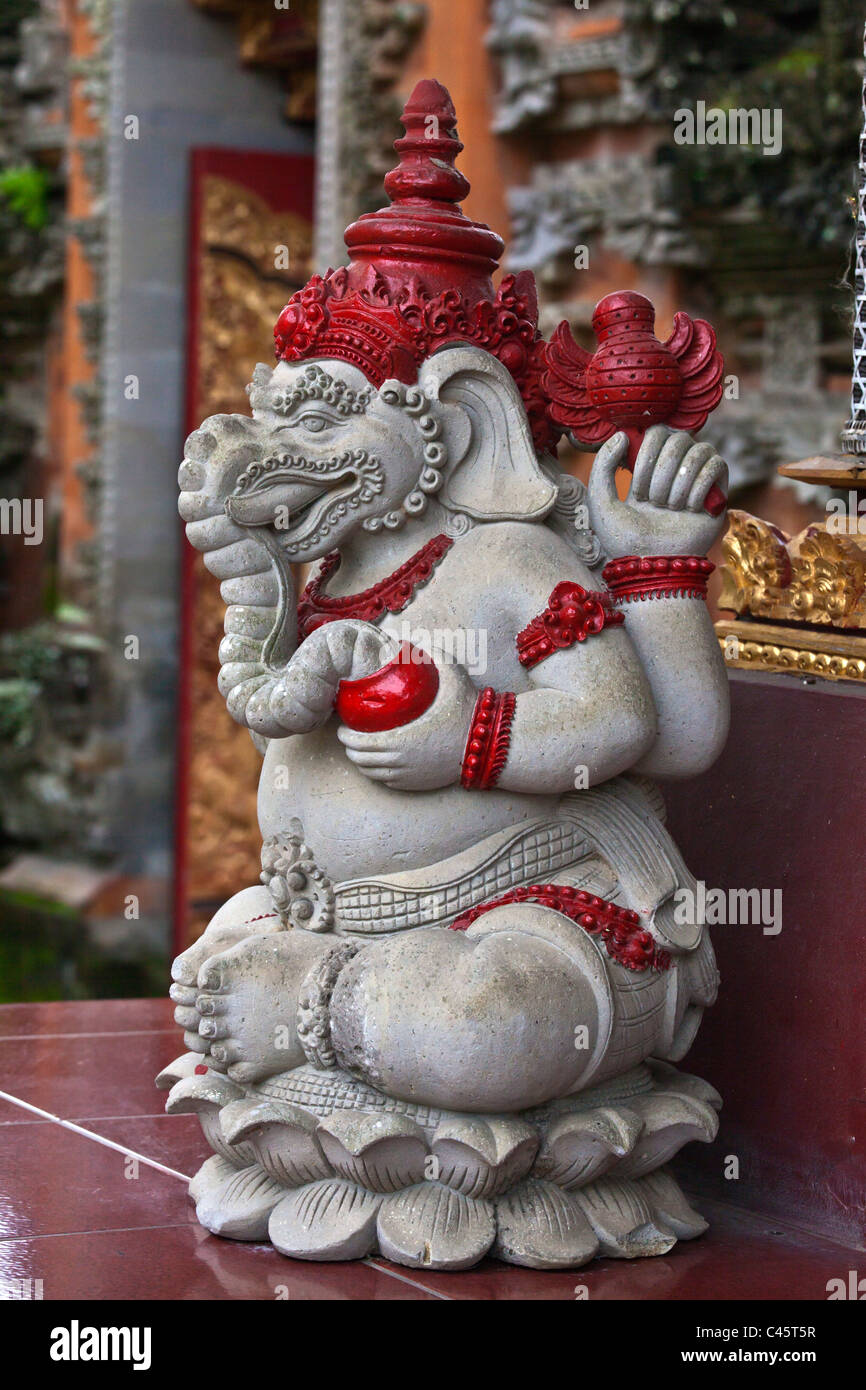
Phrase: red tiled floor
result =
(183, 1262)
(54, 1181)
(10, 1114)
(174, 1140)
(71, 1076)
(86, 1016)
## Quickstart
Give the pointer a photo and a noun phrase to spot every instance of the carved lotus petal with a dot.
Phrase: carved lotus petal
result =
(542, 1227)
(178, 1070)
(234, 1202)
(670, 1079)
(581, 1146)
(669, 1122)
(663, 1193)
(381, 1152)
(481, 1156)
(433, 1227)
(192, 1094)
(623, 1220)
(328, 1220)
(205, 1096)
(281, 1136)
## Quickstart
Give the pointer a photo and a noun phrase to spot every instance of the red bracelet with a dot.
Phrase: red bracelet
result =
(572, 614)
(657, 576)
(489, 736)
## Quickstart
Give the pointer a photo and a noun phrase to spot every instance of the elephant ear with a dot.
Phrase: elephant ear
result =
(495, 475)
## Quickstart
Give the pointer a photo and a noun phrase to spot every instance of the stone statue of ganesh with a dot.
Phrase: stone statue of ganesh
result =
(444, 1024)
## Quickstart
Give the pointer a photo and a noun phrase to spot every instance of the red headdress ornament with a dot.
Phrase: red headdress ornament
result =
(420, 277)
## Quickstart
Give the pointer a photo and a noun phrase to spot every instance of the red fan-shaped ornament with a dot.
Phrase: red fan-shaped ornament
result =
(634, 381)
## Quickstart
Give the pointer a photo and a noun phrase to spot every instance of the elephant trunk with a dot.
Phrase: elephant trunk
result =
(270, 685)
(256, 577)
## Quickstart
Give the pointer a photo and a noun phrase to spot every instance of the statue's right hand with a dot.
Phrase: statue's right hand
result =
(302, 697)
(665, 510)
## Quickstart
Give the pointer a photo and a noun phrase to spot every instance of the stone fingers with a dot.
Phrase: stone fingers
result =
(648, 459)
(713, 471)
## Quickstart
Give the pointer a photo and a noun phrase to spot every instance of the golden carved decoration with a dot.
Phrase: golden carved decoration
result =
(241, 294)
(753, 646)
(817, 577)
(242, 291)
(223, 837)
(235, 219)
(281, 37)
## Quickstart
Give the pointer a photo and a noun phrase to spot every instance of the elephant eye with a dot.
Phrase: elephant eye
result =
(315, 423)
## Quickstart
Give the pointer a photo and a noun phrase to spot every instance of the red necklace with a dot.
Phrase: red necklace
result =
(392, 594)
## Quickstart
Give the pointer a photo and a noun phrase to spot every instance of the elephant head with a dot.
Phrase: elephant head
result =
(325, 457)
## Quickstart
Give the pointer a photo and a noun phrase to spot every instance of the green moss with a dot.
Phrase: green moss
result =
(25, 189)
(802, 57)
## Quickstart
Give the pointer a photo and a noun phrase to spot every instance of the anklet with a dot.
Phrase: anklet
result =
(314, 1013)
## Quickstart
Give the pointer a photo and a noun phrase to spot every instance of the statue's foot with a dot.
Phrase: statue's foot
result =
(336, 1170)
(248, 1002)
(250, 912)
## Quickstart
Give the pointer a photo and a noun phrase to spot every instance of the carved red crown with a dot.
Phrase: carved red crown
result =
(420, 277)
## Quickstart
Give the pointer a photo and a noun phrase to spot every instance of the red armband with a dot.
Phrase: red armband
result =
(657, 576)
(489, 736)
(572, 614)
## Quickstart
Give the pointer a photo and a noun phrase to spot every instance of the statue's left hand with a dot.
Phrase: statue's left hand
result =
(663, 513)
(428, 752)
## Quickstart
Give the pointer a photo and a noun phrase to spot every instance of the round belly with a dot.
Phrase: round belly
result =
(356, 827)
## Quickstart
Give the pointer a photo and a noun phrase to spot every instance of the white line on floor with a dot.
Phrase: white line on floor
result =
(121, 1033)
(404, 1279)
(91, 1134)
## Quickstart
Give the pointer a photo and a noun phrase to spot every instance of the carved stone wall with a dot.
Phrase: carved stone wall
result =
(33, 86)
(364, 45)
(569, 68)
(756, 243)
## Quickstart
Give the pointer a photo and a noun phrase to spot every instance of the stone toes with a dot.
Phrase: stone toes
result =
(213, 1028)
(184, 970)
(210, 1004)
(210, 977)
(219, 1056)
(186, 1018)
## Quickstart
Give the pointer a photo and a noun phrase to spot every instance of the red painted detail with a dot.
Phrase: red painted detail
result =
(625, 939)
(572, 614)
(419, 277)
(489, 736)
(657, 576)
(634, 381)
(391, 594)
(200, 1070)
(262, 917)
(390, 697)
